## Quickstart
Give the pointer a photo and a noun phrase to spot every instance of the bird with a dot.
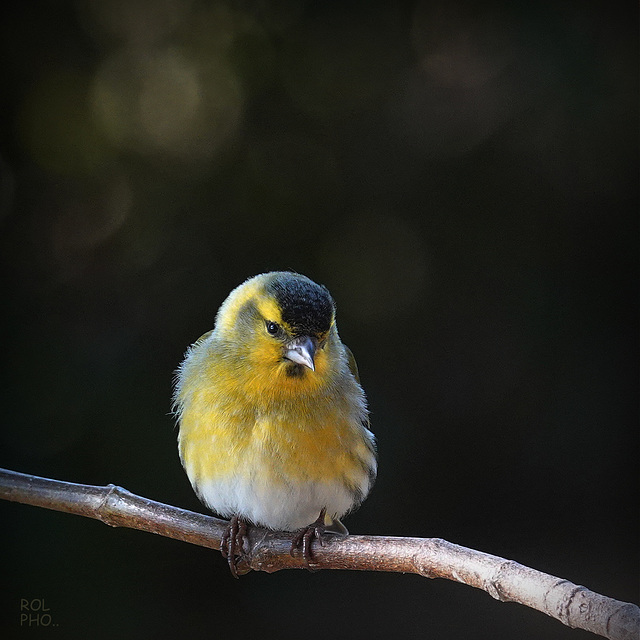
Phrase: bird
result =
(273, 421)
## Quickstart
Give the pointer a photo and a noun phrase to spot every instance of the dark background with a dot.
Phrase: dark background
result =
(463, 178)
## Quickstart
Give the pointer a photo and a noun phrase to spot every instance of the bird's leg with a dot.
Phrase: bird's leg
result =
(232, 543)
(306, 536)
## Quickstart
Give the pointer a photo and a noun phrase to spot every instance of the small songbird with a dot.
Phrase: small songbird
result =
(273, 420)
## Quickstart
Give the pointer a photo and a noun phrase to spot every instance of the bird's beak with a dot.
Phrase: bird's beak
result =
(302, 351)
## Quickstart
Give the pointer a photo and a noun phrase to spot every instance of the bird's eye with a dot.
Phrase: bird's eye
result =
(273, 328)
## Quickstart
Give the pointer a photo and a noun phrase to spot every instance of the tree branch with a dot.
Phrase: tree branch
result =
(268, 551)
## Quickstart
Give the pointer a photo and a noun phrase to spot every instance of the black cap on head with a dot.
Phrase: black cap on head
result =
(306, 307)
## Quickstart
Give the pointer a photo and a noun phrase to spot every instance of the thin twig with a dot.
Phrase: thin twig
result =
(268, 551)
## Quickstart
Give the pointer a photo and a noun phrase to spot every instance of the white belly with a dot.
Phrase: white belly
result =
(284, 507)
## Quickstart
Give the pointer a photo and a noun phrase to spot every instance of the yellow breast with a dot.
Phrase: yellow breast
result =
(282, 445)
(255, 434)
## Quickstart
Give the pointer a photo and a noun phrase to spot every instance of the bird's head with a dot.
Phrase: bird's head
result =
(282, 324)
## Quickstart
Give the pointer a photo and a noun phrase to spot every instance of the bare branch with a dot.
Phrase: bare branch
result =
(268, 551)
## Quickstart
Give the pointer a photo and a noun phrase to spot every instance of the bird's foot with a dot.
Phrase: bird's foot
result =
(232, 543)
(305, 537)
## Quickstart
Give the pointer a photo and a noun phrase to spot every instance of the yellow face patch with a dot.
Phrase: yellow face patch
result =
(228, 313)
(269, 310)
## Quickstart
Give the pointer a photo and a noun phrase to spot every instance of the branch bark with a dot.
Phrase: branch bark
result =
(505, 580)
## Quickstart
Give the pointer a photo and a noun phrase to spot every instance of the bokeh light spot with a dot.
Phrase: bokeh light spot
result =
(169, 100)
(164, 101)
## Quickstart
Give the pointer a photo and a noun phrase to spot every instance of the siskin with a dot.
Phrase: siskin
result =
(273, 420)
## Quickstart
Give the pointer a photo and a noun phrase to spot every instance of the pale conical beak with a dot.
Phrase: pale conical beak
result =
(302, 351)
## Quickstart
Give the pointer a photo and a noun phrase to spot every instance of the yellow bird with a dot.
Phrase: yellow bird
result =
(273, 420)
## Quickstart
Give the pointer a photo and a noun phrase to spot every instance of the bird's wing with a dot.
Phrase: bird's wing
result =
(351, 361)
(353, 367)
